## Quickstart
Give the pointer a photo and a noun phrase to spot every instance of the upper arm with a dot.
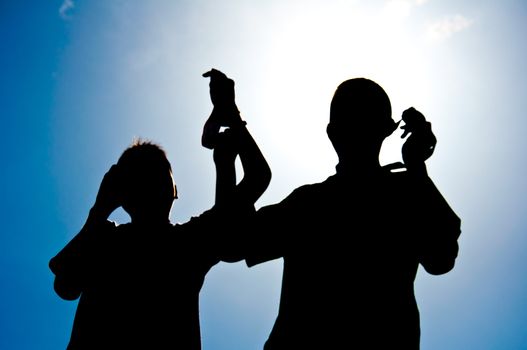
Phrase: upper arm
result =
(439, 229)
(66, 289)
(266, 239)
(440, 249)
(275, 228)
(257, 173)
(71, 264)
(66, 283)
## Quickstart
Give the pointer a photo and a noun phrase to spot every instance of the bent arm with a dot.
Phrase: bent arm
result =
(440, 230)
(234, 202)
(66, 266)
(71, 264)
(236, 140)
(256, 170)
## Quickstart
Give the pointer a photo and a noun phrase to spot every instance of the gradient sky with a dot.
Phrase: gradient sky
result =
(81, 79)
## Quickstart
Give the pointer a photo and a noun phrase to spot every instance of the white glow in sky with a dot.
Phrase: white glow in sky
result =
(82, 79)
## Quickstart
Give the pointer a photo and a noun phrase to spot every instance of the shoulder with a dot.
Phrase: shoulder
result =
(310, 191)
(201, 222)
(298, 201)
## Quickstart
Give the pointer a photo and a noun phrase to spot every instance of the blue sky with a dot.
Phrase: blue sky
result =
(81, 79)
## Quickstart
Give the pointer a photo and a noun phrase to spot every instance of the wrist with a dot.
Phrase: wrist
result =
(226, 108)
(228, 115)
(238, 123)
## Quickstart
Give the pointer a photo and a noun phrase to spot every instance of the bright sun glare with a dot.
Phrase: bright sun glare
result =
(311, 59)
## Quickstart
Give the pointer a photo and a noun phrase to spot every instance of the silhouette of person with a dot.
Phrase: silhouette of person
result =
(139, 282)
(351, 245)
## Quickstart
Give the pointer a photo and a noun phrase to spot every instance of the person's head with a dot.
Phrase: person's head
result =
(147, 185)
(360, 119)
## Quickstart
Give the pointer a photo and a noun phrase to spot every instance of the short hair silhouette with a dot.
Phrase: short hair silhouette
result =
(147, 182)
(144, 153)
(364, 103)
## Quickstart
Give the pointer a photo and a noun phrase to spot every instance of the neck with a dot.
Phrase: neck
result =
(359, 167)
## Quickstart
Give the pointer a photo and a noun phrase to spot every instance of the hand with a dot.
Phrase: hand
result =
(221, 89)
(225, 112)
(421, 143)
(110, 193)
(222, 96)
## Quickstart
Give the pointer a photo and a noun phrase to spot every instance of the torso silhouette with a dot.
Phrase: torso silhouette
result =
(351, 247)
(141, 285)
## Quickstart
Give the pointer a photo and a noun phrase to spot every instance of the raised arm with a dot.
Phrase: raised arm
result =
(236, 140)
(70, 265)
(439, 225)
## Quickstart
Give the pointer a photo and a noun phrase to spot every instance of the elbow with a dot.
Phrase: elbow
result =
(440, 256)
(266, 177)
(260, 180)
(65, 291)
(441, 261)
(262, 172)
(439, 264)
(439, 268)
(254, 184)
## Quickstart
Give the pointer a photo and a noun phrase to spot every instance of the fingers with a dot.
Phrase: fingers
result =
(413, 121)
(214, 74)
(111, 173)
(113, 169)
(412, 115)
(406, 131)
(109, 196)
(218, 79)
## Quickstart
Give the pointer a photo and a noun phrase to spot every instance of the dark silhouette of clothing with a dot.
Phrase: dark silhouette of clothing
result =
(140, 285)
(351, 245)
